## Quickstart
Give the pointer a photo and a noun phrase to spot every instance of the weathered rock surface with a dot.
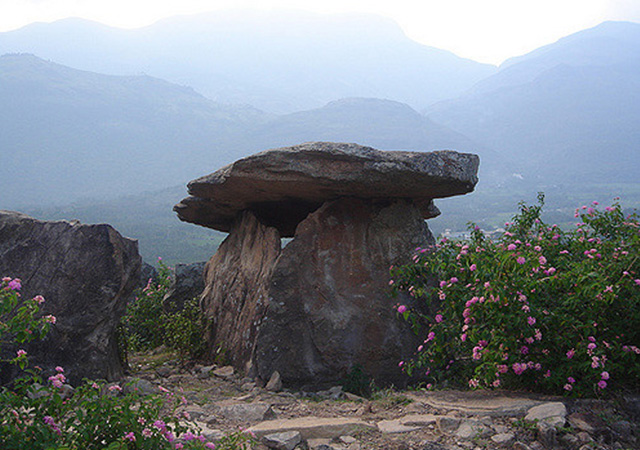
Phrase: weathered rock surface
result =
(312, 427)
(282, 186)
(85, 273)
(319, 307)
(235, 296)
(329, 308)
(187, 283)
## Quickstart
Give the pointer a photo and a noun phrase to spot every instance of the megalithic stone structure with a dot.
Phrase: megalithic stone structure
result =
(319, 307)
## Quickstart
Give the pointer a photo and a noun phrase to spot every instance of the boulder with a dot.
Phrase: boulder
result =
(187, 283)
(284, 185)
(329, 308)
(85, 273)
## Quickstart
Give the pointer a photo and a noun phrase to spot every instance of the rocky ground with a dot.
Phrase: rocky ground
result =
(220, 401)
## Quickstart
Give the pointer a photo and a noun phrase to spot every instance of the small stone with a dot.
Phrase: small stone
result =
(335, 392)
(622, 428)
(547, 434)
(503, 438)
(585, 421)
(140, 386)
(584, 437)
(447, 424)
(553, 412)
(246, 412)
(570, 440)
(283, 441)
(315, 444)
(248, 386)
(275, 382)
(164, 371)
(354, 398)
(472, 428)
(225, 372)
(348, 439)
(520, 446)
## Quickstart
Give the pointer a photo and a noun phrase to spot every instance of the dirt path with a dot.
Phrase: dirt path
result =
(220, 401)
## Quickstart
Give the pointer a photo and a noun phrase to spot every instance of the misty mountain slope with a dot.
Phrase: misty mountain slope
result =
(607, 44)
(573, 122)
(66, 134)
(279, 61)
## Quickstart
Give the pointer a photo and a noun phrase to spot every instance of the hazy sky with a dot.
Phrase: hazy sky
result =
(484, 30)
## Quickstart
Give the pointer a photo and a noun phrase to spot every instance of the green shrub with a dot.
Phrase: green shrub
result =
(148, 323)
(541, 309)
(38, 415)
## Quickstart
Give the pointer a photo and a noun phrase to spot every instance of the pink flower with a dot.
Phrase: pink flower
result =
(542, 260)
(568, 387)
(146, 433)
(431, 336)
(115, 388)
(473, 383)
(402, 309)
(130, 436)
(210, 445)
(503, 368)
(571, 380)
(439, 318)
(521, 260)
(496, 383)
(591, 346)
(571, 353)
(473, 267)
(21, 353)
(602, 384)
(463, 337)
(39, 299)
(604, 375)
(531, 320)
(15, 284)
(453, 280)
(50, 319)
(179, 446)
(59, 369)
(511, 247)
(524, 350)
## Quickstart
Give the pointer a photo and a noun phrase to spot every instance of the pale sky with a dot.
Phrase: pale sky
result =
(484, 30)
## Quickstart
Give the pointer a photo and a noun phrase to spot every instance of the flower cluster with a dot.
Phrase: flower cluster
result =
(541, 309)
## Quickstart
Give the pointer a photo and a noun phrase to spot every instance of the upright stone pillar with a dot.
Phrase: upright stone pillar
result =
(330, 308)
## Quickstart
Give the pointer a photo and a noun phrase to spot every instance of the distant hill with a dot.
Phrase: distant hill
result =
(278, 61)
(82, 134)
(66, 134)
(568, 112)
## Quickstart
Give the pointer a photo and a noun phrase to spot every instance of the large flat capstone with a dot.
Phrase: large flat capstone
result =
(282, 186)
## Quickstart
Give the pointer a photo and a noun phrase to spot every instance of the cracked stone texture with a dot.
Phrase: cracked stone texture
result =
(236, 281)
(282, 186)
(86, 273)
(329, 307)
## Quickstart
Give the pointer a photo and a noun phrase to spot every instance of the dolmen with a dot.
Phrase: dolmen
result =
(320, 307)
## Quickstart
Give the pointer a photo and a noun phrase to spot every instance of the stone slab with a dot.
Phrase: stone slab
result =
(312, 427)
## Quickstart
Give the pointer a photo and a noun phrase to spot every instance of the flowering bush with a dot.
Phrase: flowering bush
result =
(46, 415)
(541, 309)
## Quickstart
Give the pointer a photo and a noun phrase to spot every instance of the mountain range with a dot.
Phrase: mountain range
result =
(562, 118)
(278, 61)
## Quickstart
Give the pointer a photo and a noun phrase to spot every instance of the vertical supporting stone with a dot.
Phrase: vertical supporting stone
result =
(329, 305)
(236, 278)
